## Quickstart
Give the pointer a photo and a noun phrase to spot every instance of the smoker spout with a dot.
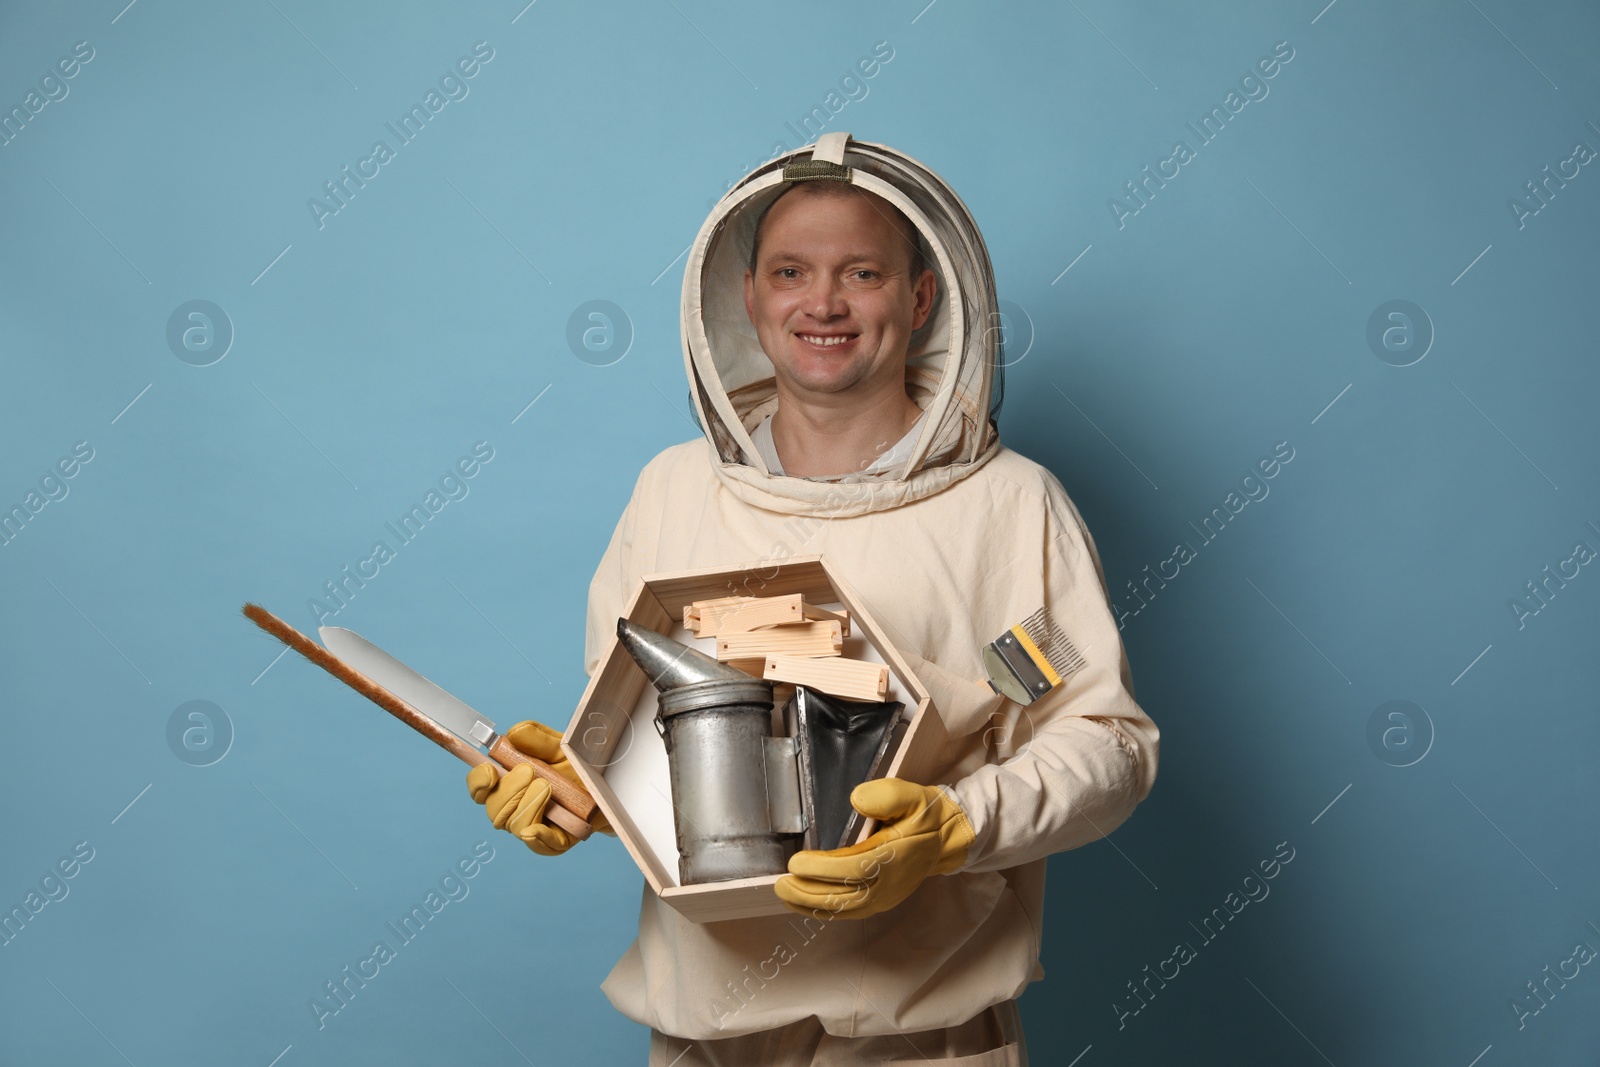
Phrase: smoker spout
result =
(670, 664)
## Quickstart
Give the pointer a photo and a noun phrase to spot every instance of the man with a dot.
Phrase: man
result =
(846, 408)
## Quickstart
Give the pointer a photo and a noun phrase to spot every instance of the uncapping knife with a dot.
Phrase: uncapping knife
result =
(449, 711)
(573, 808)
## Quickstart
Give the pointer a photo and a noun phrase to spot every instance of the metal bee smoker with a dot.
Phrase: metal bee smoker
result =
(735, 786)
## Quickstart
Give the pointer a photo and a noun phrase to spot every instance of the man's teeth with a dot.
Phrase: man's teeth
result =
(825, 341)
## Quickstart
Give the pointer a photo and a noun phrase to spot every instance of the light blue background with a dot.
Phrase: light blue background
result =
(1226, 316)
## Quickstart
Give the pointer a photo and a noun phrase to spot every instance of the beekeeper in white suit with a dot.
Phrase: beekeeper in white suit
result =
(842, 371)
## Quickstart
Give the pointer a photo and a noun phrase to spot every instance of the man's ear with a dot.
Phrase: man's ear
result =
(927, 288)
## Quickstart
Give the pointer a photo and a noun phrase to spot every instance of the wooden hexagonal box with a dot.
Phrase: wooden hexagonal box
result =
(614, 744)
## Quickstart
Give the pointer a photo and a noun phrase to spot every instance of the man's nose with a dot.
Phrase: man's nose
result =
(827, 298)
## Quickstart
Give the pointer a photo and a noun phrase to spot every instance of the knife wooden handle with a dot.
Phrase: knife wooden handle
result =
(569, 799)
(562, 819)
(573, 807)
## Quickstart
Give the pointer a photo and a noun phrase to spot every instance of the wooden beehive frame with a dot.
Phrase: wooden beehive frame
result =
(848, 678)
(797, 639)
(704, 617)
(746, 615)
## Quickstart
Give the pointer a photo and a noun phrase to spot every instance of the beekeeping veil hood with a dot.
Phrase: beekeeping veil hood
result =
(952, 366)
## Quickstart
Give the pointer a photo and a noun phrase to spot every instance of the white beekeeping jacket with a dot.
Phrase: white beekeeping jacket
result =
(950, 548)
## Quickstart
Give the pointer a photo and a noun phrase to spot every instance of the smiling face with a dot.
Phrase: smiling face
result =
(831, 296)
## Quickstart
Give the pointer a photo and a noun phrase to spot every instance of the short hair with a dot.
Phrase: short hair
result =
(836, 190)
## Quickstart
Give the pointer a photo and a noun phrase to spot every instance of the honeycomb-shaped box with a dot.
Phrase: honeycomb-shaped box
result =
(614, 746)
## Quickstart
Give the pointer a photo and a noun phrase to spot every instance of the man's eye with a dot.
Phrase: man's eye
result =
(785, 272)
(869, 274)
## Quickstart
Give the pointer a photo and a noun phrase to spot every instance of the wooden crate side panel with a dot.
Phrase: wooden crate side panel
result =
(616, 683)
(803, 575)
(921, 746)
(597, 724)
(627, 831)
(739, 898)
(648, 609)
(600, 723)
(869, 626)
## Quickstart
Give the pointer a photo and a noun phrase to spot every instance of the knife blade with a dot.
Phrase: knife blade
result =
(444, 708)
(572, 808)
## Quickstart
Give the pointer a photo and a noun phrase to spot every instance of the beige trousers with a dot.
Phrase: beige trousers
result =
(992, 1038)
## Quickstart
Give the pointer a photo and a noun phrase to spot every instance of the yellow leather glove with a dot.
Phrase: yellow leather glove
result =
(516, 800)
(924, 833)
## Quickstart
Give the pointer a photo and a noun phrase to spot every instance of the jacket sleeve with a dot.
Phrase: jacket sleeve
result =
(1079, 759)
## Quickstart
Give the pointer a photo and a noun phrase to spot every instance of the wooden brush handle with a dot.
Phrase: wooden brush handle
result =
(573, 807)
